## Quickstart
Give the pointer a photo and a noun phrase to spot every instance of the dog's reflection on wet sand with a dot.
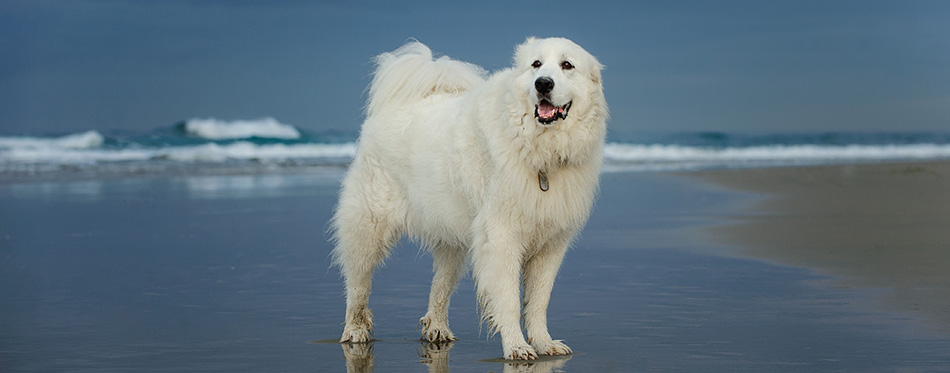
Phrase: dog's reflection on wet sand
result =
(359, 357)
(435, 355)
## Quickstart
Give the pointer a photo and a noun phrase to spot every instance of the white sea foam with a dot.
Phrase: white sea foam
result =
(47, 152)
(660, 155)
(214, 129)
(250, 151)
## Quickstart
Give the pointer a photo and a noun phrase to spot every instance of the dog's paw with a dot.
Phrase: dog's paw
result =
(435, 332)
(356, 335)
(520, 352)
(553, 348)
(441, 335)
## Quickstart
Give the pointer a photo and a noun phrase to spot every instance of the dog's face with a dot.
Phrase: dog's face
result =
(557, 79)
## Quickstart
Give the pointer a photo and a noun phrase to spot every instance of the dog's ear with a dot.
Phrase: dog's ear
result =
(521, 49)
(595, 69)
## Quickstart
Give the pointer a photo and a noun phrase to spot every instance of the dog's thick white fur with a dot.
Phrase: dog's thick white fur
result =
(501, 170)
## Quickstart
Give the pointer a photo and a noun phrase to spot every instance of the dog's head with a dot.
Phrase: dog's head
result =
(557, 79)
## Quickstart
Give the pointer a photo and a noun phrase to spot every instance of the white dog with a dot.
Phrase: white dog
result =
(500, 170)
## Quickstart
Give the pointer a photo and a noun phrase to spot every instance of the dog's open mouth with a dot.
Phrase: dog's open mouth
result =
(546, 112)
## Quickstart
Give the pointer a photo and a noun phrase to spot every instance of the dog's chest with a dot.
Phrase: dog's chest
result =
(559, 198)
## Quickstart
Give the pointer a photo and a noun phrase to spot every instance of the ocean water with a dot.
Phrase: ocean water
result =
(207, 145)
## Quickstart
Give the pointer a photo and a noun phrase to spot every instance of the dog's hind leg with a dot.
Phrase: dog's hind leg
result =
(365, 227)
(539, 273)
(448, 263)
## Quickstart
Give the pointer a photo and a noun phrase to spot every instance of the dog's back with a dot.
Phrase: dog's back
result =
(410, 74)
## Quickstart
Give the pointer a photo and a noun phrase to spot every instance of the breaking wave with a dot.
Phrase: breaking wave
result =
(84, 140)
(214, 129)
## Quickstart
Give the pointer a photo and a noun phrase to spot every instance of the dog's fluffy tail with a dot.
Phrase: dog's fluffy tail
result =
(410, 74)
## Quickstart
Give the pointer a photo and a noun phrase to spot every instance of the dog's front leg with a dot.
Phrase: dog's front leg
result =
(496, 267)
(539, 273)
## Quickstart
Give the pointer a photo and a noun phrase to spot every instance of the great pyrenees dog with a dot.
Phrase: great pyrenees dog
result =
(499, 171)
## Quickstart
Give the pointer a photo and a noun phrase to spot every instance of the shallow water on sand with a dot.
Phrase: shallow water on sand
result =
(231, 273)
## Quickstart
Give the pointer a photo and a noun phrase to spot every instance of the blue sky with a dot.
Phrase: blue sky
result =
(783, 66)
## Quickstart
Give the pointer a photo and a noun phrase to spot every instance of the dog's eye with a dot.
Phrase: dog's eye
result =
(536, 64)
(566, 65)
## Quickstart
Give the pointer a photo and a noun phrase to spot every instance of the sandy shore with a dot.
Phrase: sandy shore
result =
(884, 226)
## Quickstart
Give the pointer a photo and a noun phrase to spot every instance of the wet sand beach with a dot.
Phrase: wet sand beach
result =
(672, 273)
(883, 227)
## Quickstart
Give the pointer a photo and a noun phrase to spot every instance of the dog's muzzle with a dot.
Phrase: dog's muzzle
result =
(545, 111)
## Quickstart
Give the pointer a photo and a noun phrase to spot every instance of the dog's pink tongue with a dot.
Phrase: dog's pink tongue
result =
(546, 110)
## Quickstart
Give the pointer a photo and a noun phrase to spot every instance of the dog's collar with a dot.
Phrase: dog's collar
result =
(543, 180)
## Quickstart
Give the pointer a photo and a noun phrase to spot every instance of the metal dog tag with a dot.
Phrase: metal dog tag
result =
(543, 180)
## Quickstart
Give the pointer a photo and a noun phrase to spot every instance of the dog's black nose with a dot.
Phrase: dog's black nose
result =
(544, 85)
